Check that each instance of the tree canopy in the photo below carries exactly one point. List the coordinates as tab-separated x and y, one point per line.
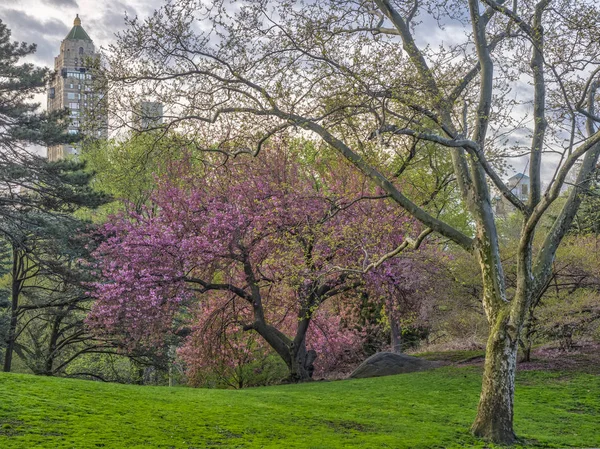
367	79
259	239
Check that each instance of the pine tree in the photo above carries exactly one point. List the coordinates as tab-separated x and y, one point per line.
37	197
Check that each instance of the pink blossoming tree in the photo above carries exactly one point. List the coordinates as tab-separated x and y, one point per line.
266	235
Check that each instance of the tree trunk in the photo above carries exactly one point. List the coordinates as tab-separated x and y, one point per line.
10	339
526	348
14	313
395	336
494	419
301	367
54	334
293	352
527	336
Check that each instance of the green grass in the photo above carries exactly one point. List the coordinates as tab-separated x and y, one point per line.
422	410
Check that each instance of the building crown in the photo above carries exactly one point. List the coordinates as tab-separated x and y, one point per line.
77	32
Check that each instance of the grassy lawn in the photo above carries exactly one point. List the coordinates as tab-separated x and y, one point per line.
422	410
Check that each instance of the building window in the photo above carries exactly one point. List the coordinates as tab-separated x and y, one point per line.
80	50
74	105
524	190
51	92
72	132
72	74
71	96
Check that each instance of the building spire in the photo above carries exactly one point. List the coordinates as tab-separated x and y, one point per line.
77	32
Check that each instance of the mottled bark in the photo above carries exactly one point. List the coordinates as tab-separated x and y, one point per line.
494	420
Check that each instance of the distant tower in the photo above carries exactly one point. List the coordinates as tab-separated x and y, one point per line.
571	178
72	87
147	114
519	185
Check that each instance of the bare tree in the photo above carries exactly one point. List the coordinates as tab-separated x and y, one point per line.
482	81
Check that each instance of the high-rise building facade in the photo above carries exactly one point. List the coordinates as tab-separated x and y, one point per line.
74	88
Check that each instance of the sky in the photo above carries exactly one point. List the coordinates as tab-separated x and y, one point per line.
47	22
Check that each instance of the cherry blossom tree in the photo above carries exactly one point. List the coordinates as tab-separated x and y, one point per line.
262	234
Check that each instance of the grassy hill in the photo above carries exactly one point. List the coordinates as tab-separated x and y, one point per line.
422	410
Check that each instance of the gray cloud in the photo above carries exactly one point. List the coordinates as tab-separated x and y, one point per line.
65	3
45	33
102	29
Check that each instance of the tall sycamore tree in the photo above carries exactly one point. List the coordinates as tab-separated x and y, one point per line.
481	80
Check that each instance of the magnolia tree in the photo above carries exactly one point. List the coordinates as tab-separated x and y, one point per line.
482	81
262	240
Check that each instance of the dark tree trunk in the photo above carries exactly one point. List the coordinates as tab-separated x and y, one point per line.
302	363
16	285
395	336
54	334
12	333
299	361
526	348
302	367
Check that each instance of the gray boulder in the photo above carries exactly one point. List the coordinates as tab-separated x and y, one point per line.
389	363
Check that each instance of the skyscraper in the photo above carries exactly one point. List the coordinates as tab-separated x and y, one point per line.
73	87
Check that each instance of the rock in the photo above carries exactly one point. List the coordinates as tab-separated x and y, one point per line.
389	363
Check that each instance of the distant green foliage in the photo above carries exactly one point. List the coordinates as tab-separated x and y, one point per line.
266	369
126	169
587	220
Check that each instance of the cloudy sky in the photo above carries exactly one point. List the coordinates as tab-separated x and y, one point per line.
47	22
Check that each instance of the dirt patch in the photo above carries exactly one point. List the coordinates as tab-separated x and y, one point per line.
11	428
345	426
584	357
